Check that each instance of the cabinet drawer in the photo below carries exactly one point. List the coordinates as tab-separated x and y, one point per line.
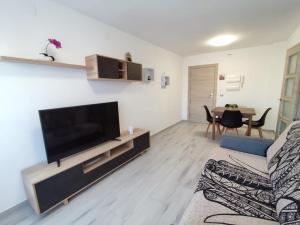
142	142
55	189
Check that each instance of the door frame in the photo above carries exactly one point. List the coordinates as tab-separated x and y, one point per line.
216	65
291	51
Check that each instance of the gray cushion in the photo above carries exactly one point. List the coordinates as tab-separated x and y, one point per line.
256	146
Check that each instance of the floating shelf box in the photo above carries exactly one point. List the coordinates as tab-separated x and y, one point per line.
100	67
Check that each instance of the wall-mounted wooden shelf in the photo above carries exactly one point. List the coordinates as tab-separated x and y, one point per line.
102	67
40	62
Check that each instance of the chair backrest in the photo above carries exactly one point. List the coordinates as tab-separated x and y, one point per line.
231	105
263	117
232	119
208	116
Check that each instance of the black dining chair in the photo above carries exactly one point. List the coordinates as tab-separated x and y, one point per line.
231	119
258	124
231	106
209	119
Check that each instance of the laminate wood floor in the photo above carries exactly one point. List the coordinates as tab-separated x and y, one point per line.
153	189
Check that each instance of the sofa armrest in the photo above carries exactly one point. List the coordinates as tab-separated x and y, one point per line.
256	146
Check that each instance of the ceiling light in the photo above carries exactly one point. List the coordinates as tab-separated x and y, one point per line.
222	40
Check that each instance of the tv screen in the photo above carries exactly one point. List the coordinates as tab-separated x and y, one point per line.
69	130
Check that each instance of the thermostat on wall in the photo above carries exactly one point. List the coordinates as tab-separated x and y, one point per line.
148	75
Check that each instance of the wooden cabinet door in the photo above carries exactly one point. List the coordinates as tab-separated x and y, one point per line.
108	68
134	71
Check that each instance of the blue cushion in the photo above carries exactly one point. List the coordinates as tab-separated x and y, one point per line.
256	146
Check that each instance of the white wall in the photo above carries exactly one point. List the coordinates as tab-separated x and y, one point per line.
263	70
294	38
24	88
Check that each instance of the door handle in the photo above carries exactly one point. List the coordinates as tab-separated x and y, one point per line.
211	95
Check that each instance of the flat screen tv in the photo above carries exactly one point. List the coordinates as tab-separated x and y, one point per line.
69	130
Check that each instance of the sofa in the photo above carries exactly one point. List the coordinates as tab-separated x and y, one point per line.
243	188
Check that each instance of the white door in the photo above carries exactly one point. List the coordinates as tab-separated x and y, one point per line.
202	90
289	100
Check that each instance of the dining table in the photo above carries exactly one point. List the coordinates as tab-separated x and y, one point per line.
246	113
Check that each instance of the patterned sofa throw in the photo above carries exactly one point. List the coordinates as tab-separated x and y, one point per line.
239	189
284	170
234	189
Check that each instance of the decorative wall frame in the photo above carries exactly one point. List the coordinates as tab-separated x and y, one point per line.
233	87
233	79
234	82
148	75
165	81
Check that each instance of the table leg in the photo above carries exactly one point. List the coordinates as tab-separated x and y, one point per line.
214	127
249	126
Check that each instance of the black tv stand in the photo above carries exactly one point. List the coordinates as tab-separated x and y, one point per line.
48	185
117	139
